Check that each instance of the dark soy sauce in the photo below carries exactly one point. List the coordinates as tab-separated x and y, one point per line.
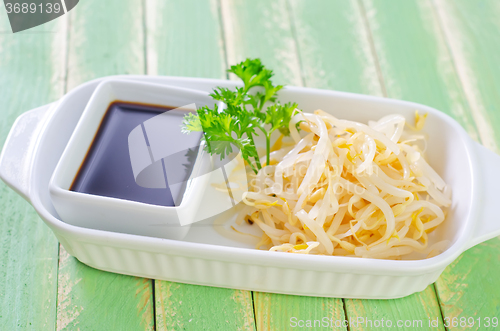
107	170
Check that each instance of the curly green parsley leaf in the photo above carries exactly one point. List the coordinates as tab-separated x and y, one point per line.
235	125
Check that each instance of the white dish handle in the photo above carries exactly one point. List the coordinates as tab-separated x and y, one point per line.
17	153
488	224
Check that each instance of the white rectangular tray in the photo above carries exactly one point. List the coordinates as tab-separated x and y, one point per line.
205	257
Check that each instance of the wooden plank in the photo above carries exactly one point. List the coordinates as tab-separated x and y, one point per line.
90	299
184	38
262	29
291	312
469	289
333	45
419	311
471	30
414	61
30	76
28	263
105	38
190	43
192	307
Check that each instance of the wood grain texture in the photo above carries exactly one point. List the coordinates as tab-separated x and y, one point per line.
263	29
414	61
414	312
90	299
333	45
193	307
470	286
28	266
30	76
472	34
105	38
291	312
184	38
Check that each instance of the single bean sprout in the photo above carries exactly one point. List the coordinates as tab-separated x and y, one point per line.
347	188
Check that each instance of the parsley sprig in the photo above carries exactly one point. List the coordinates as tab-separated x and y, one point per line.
250	110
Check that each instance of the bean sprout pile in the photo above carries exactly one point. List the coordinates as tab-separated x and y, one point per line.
349	189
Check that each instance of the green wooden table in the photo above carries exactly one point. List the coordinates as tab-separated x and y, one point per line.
442	53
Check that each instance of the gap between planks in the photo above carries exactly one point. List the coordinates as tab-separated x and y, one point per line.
373	50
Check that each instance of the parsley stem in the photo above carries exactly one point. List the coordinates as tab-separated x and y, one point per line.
251	165
257	160
268	148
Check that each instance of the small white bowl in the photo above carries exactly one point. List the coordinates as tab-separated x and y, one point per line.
121	215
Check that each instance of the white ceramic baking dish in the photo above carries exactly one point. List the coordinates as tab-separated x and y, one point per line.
206	257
